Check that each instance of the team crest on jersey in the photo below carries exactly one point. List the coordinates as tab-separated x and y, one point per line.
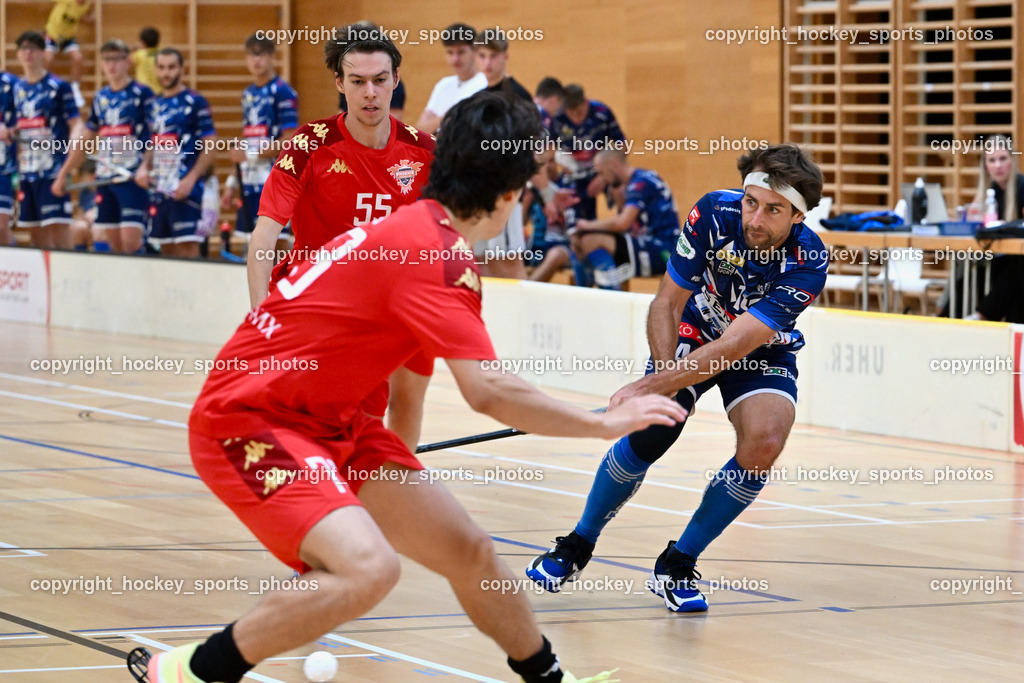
405	173
683	247
694	216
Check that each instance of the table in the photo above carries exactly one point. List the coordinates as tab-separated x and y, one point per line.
958	245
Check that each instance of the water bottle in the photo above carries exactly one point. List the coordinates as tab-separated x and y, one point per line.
918	202
991	207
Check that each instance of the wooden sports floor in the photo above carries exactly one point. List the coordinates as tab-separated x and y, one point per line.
818	580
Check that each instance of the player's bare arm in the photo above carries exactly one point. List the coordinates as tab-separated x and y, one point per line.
203	162
258	265
514	402
743	335
621	222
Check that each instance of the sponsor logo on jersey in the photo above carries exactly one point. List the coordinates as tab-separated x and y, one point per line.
778	372
694	216
413	132
731	257
683	247
300	141
256	131
340	167
725	268
405	173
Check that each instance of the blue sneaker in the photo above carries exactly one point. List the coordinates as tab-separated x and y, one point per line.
561	564
677	583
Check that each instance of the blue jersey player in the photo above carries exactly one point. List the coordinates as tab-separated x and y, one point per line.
743	269
639	240
583	128
8	160
46	113
182	130
118	122
270	113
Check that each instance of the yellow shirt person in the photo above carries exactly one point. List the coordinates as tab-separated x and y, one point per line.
144	60
65	18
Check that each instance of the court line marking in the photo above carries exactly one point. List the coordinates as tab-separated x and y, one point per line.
102	392
143	640
99	457
92	409
21	551
675	487
411	659
776	504
61	668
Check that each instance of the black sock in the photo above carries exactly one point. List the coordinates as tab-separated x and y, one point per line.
218	659
542	667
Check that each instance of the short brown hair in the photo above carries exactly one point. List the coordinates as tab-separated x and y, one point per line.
786	164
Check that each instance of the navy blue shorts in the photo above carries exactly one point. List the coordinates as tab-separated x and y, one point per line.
124	205
765	371
39	207
245	222
6	196
171	221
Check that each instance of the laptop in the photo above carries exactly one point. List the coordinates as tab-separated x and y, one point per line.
937	211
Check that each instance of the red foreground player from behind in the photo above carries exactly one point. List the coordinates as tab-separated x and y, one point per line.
326	487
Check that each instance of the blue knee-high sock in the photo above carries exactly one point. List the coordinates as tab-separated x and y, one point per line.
618	478
726	496
604	267
581	271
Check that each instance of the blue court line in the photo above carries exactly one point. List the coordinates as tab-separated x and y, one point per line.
836	609
99	457
645	570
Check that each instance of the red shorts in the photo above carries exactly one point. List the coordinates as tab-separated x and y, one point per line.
280	482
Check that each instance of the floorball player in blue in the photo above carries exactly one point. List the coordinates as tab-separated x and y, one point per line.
744	268
119	118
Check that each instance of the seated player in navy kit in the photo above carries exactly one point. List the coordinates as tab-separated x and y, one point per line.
636	242
744	268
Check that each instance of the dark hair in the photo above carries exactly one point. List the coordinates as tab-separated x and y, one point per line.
150	37
259	46
173	51
458	34
786	164
574	96
550	87
494	38
34	37
467	175
115	45
361	38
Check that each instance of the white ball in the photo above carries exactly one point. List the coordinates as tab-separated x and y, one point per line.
320	666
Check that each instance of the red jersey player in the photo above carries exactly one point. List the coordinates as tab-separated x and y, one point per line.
278	434
343	172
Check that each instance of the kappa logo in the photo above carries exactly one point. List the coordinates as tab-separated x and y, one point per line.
300	141
340	167
469	280
413	132
405	173
320	130
694	216
286	163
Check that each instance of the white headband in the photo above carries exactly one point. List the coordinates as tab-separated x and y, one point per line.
760	178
